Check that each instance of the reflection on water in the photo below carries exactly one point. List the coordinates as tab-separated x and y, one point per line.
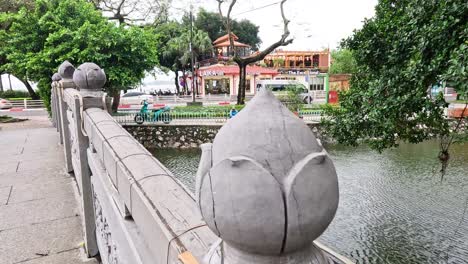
393	207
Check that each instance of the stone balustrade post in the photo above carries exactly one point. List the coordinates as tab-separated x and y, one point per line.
53	102
65	71
266	187
89	79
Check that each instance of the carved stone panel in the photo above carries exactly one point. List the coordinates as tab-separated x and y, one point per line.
74	147
107	247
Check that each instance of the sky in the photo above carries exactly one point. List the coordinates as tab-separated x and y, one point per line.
315	25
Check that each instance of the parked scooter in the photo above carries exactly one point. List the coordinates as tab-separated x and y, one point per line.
153	115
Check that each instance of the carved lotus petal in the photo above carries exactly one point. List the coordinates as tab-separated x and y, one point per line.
246	205
311	199
272	188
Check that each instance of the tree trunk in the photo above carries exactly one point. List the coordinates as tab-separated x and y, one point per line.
242	83
176	80
1	83
31	91
116	100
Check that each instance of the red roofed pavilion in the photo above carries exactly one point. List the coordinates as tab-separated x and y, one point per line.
219	75
222	46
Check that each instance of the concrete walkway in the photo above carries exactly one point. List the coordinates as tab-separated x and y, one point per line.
39	216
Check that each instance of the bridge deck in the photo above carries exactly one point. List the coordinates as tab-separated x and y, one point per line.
39	216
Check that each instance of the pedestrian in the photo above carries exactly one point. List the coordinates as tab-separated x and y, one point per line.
233	112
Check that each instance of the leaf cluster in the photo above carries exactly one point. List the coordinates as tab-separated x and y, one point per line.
343	62
211	23
174	40
406	48
38	41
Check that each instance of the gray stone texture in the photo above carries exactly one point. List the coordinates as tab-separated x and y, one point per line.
160	206
39	215
65	71
271	190
56	77
180	136
89	78
172	136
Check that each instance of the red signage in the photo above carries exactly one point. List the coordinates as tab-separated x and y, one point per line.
333	97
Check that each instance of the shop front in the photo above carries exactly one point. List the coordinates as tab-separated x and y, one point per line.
224	79
217	85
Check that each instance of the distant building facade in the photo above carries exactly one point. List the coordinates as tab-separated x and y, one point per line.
217	75
312	61
339	82
308	67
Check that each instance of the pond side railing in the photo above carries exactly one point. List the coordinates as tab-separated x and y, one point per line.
215	117
133	209
27	104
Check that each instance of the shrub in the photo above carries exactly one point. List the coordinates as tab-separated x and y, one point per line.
14	94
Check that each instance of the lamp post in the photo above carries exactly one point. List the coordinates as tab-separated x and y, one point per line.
191	54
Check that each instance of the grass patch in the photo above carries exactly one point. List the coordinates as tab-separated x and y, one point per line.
14	94
206	109
19	99
9	119
227	108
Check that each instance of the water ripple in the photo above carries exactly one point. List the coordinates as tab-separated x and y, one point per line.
393	208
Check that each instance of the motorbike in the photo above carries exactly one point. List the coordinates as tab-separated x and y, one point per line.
153	115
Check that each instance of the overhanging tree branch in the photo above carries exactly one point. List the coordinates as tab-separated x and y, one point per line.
244	61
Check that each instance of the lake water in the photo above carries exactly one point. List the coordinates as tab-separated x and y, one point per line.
393	208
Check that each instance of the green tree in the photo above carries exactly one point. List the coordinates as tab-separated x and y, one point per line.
169	54
211	23
179	48
247	33
407	47
342	62
6	7
56	30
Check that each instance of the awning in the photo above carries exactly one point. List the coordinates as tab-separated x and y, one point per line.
220	70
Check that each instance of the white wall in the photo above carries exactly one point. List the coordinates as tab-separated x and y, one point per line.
15	83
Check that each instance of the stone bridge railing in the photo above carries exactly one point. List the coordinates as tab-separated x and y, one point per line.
135	211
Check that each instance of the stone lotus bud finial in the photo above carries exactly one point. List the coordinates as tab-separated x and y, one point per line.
90	79
66	70
266	186
56	77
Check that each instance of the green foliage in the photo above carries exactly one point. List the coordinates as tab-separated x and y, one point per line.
174	40
13	94
278	62
168	55
407	47
294	101
206	109
39	41
342	62
211	23
179	47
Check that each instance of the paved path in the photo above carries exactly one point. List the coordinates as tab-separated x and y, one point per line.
39	216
